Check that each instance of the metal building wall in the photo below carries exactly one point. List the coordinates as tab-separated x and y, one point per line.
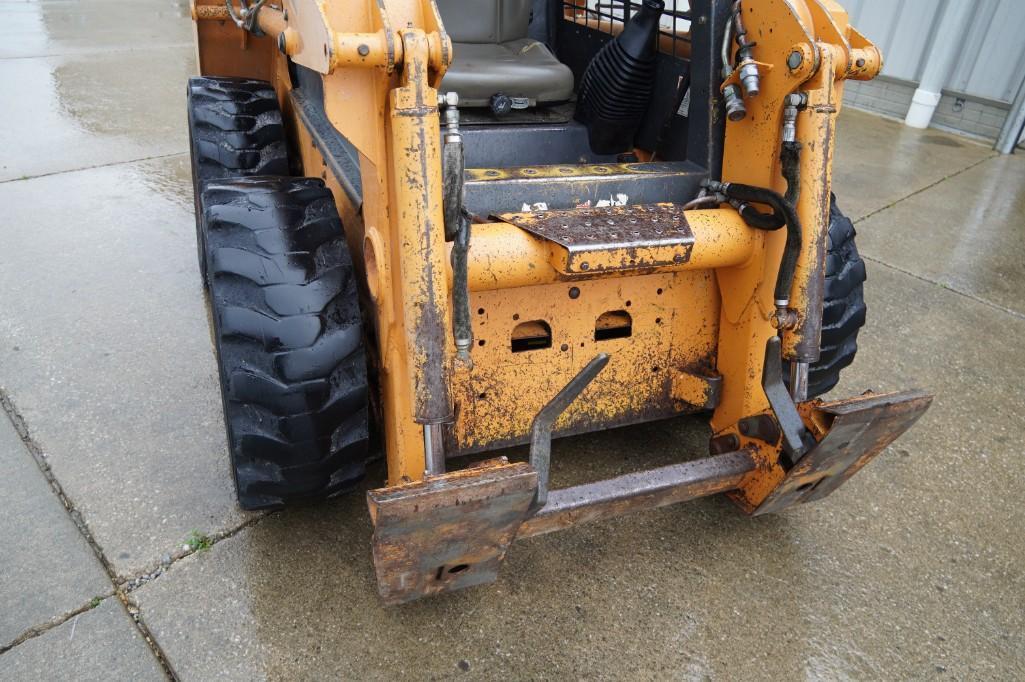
901	29
988	70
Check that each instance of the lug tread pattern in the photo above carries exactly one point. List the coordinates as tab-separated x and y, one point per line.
289	339
844	310
236	129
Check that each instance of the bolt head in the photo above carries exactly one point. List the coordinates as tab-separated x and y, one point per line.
501	104
363	50
795	59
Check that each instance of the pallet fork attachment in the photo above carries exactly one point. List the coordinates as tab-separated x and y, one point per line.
452	531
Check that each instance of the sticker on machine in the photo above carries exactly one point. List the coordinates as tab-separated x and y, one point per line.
613	200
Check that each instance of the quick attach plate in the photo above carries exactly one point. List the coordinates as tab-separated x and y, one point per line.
448	532
611	239
856	430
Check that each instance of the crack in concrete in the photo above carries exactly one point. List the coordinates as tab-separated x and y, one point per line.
970	296
893	203
87	168
93	52
922	278
136	581
131	609
56	621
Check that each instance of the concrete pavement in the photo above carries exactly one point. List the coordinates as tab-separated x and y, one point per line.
914	569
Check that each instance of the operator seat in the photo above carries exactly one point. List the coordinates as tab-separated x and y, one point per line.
494	55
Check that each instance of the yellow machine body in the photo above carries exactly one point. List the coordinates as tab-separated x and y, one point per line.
700	309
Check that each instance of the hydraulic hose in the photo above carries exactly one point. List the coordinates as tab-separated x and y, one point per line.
780	207
461	289
790	160
457	226
756	219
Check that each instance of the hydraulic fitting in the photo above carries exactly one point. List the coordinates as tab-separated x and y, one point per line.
735	108
749	78
793	103
747	67
784	317
450	101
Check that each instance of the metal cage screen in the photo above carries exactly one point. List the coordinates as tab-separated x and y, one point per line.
608	17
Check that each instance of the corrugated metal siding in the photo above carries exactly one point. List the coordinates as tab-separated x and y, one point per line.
992	54
901	29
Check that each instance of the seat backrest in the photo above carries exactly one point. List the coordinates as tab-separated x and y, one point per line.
485	21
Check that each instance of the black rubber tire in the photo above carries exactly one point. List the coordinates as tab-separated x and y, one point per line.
843	313
235	131
288	335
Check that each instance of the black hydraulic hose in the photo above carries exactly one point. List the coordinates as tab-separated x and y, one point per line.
790	160
740	34
461	287
780	206
457	227
453	165
756	219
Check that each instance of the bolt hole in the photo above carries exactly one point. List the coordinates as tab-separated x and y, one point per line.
658	320
658	291
480	311
655	370
482	396
628	304
458	568
516	316
481	342
806	486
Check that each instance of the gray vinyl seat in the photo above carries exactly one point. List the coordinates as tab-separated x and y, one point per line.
494	55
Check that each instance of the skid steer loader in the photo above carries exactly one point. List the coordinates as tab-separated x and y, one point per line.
472	224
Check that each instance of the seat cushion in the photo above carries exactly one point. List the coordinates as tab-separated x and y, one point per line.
518	68
485	21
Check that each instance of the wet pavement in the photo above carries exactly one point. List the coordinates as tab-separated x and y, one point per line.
916	568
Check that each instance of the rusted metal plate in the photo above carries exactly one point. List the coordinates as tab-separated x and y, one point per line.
616	238
642	490
858	430
499	395
448	532
702	389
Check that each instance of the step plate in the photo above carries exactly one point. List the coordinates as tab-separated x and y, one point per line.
612	239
